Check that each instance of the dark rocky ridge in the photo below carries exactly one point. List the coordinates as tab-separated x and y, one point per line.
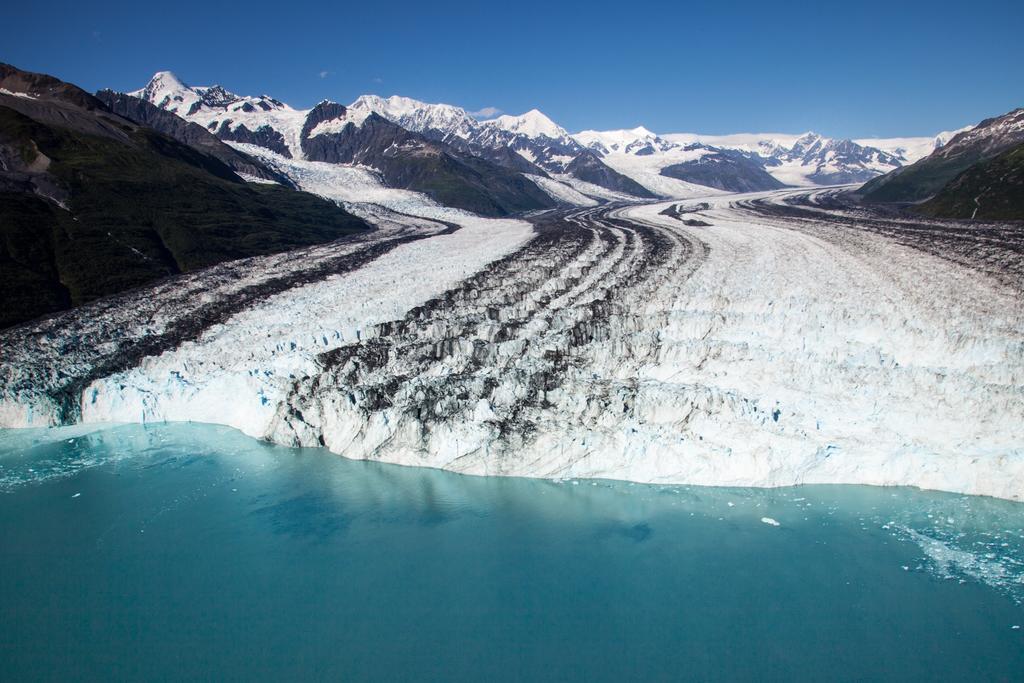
325	111
589	168
264	136
501	155
725	170
408	160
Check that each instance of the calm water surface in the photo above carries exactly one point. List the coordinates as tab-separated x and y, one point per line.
192	551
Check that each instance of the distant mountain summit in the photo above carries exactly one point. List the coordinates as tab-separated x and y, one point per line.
440	121
636	141
532	124
169	92
740	163
833	162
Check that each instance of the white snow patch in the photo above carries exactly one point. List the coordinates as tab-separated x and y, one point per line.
255	179
23	95
646	170
354	117
561	191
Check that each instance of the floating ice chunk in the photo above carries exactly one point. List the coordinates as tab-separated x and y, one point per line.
770	521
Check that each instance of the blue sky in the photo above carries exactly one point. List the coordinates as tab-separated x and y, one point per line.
852	69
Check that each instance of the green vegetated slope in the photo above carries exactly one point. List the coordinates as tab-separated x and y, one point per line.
919	180
100	205
926	177
990	190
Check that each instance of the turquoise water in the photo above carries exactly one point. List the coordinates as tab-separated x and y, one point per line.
191	551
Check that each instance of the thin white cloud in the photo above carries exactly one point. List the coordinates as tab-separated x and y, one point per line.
378	79
325	74
485	113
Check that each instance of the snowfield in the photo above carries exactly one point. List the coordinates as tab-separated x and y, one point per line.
561	191
646	170
750	340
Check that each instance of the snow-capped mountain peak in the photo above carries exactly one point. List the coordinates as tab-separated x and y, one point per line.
417	116
808	142
999	132
169	92
642	132
165	82
532	124
636	141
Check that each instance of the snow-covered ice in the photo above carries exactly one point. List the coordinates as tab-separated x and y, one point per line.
759	348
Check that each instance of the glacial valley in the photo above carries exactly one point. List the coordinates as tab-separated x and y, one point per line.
765	339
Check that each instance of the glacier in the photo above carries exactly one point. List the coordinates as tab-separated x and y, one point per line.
768	339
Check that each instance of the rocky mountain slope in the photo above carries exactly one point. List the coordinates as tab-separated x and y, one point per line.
92	203
334	133
927	176
191	134
530	143
992	189
407	160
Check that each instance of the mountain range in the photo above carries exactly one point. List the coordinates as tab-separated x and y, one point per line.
109	191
